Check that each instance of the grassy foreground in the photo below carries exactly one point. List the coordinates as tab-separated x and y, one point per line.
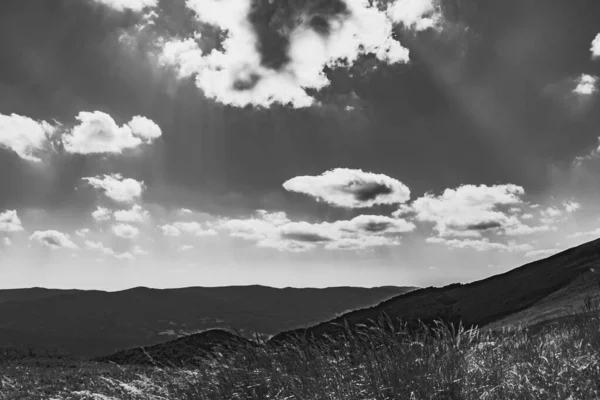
381	362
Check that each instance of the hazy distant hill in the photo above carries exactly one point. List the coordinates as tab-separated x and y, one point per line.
534	293
92	323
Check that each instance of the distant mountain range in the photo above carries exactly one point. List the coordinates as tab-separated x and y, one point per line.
95	323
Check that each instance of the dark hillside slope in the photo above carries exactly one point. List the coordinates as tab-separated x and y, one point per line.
94	323
477	303
179	352
565	302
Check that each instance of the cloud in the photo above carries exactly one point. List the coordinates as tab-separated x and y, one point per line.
592	154
53	240
184	54
186	247
350	188
137	250
170	230
586	85
135	214
275	230
101	214
276	52
521	229
480	244
192	228
82	232
25	136
550	215
99	246
595	49
419	15
133	5
145	128
10	222
469	210
571	206
125	231
117	188
362	242
542	253
98	133
594	232
125	256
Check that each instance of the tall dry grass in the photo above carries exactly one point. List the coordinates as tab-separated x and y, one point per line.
380	361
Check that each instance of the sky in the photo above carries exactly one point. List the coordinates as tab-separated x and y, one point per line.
310	143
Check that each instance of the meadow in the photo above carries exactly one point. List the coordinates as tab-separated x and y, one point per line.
380	361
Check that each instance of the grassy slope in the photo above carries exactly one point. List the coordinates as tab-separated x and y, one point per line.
562	303
559	363
481	302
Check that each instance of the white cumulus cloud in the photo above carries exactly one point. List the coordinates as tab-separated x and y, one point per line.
275	230
91	245
595	49
53	240
350	188
125	231
586	85
416	14
10	222
135	214
82	232
25	136
470	210
192	228
571	206
117	188
237	73
101	214
98	133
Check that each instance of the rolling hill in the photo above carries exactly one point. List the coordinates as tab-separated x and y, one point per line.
95	323
532	294
182	351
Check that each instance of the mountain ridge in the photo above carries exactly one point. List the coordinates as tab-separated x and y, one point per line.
93	323
448	302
